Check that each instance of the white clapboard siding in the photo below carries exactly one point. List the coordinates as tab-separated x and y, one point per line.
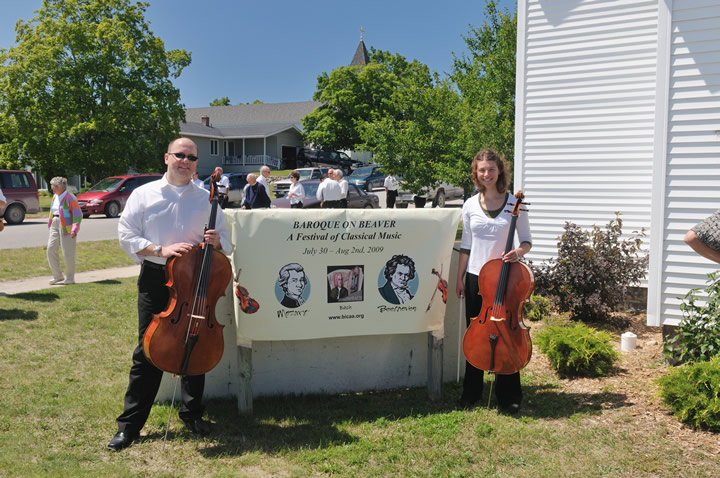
618	109
585	114
688	190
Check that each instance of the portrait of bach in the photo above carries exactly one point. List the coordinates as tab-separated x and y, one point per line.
292	280
399	271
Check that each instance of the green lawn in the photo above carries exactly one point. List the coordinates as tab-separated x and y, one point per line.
66	355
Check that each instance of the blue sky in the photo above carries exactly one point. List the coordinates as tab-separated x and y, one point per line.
273	51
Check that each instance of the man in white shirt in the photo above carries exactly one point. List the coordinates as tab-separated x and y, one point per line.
263	179
329	192
391	189
343	187
223	187
197	180
164	219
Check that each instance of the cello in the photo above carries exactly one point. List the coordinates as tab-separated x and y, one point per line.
497	340
186	339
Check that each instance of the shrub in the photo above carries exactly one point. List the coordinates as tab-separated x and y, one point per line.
692	391
537	308
577	350
593	270
698	335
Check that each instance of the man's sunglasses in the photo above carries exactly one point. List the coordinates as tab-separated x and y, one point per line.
190	157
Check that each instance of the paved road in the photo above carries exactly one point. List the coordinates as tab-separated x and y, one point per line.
34	232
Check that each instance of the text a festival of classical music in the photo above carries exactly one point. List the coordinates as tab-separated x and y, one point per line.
325	226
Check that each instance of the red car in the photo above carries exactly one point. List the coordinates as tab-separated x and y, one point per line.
109	195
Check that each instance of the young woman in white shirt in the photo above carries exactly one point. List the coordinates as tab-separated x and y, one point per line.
296	192
486	220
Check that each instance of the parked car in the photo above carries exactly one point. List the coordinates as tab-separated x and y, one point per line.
108	196
282	187
368	177
21	195
439	195
356	198
334	159
235	191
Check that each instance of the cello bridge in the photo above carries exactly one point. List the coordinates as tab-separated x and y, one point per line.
201	317
495	319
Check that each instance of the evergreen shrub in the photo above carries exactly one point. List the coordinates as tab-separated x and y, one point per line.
593	269
537	308
698	336
578	350
692	391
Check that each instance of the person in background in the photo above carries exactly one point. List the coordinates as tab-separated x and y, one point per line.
296	193
3	203
328	192
164	219
64	225
254	195
338	174
223	187
263	179
486	225
391	189
704	237
197	180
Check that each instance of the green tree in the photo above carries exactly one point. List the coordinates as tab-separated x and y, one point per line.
224	101
421	142
87	89
355	95
485	77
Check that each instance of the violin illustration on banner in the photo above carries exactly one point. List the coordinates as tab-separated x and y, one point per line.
247	303
442	286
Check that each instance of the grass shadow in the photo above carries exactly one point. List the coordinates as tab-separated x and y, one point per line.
299	422
107	282
35	296
17	314
548	401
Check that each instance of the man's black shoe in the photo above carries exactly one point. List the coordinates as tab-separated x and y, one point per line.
198	426
121	440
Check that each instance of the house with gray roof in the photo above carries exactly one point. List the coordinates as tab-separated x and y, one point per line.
243	138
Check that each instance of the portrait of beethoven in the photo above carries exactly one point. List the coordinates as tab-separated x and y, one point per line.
292	280
398	273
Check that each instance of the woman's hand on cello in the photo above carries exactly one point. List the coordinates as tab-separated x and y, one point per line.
512	256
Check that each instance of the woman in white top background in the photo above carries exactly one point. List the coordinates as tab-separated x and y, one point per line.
486	220
296	192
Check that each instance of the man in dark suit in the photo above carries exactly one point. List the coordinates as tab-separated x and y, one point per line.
339	291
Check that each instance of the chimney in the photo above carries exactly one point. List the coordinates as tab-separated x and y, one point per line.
205	120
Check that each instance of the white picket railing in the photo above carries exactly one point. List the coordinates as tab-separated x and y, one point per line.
252	159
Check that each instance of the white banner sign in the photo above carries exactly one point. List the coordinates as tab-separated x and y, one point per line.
306	274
